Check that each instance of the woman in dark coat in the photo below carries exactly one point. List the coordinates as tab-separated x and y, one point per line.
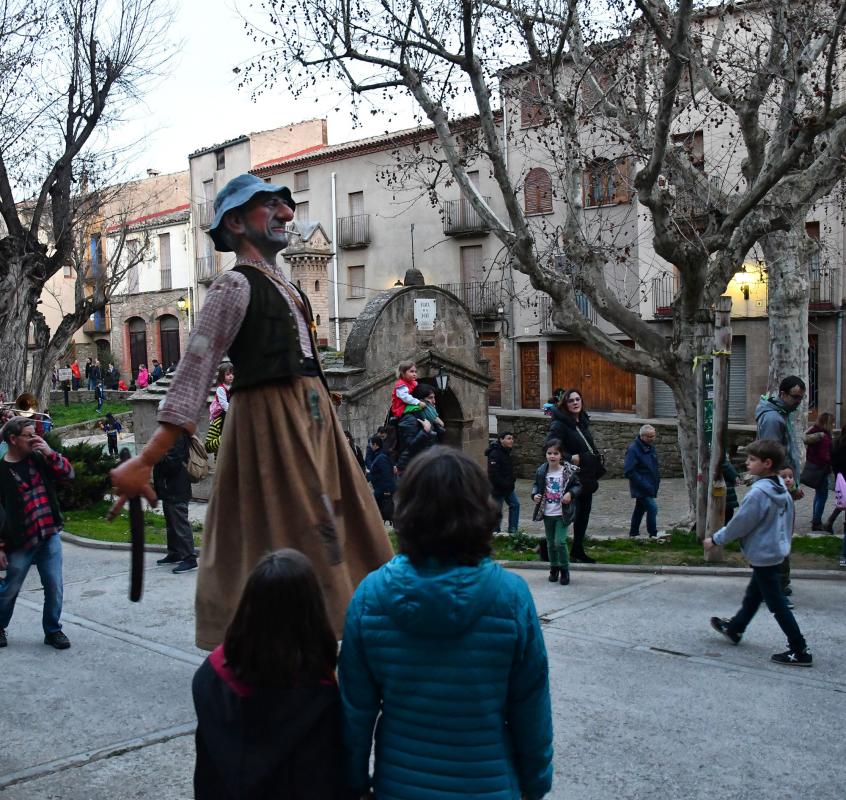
571	426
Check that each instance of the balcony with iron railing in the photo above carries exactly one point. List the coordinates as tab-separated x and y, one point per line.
482	299
461	219
207	268
98	322
545	311
205	213
749	292
354	231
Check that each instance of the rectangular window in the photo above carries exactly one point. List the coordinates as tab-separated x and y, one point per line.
301	214
694	143
472	270
356	200
67	271
220	159
533	109
133	260
164	260
355	281
301	180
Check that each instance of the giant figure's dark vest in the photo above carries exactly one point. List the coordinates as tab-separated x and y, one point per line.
267	347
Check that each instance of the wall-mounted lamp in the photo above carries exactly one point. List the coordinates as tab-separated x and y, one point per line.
182	305
398	284
500	310
442	379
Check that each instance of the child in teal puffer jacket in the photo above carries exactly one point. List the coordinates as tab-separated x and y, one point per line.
444	647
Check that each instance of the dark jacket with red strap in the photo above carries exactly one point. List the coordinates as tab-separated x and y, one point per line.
265	744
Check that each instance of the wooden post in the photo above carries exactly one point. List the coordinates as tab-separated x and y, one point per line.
717	485
702	344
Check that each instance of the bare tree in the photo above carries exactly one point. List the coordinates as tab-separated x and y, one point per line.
619	81
69	69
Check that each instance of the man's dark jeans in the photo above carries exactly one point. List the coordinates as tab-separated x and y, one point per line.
765	586
180	539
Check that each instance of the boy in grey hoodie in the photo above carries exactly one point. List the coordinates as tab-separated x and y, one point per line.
764	525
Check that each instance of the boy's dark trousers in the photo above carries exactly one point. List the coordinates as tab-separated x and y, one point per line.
766	586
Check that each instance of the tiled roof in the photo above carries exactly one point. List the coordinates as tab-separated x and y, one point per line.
369	144
168	216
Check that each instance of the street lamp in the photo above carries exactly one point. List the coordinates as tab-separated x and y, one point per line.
182	305
442	379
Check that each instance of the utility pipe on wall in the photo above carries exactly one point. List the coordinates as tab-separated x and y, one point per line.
838	368
335	263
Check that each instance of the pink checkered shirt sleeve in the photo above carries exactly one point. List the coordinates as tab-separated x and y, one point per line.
219	321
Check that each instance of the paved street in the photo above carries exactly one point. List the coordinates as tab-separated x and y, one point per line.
649	702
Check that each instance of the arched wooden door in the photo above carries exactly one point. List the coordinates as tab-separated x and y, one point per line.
169	338
137	344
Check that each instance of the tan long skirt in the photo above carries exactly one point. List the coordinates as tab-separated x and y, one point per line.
286	477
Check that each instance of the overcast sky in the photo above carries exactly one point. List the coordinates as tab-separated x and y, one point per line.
198	104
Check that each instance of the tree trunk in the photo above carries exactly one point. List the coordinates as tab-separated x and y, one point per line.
789	292
684	392
14	328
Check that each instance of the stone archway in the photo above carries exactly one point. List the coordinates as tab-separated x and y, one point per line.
433	327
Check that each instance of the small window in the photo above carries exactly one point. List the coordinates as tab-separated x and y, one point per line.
67	271
301	181
355	281
694	144
538	192
606	182
220	159
301	214
316	286
533	110
317	319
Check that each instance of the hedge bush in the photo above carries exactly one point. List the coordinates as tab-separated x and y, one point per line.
91	467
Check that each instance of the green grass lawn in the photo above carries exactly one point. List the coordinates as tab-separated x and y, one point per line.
82	412
92	524
680	549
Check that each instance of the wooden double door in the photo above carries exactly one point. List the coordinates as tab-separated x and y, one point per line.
604	387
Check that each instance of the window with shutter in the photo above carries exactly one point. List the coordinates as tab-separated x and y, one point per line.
302	213
355	281
606	182
533	110
164	260
694	144
301	181
537	192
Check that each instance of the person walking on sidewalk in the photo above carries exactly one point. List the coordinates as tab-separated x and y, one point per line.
818	465
774	420
641	468
501	476
554	492
173	488
33	521
764	526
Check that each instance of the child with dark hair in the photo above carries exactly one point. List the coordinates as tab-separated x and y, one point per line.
764	526
369	453
444	647
382	478
554	492
112	428
430	426
268	710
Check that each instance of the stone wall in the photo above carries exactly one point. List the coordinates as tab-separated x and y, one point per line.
92	426
612	434
57	398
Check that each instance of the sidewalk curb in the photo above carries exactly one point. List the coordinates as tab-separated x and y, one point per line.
716	572
661	569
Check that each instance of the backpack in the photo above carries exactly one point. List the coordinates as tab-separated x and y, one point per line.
840	491
198	460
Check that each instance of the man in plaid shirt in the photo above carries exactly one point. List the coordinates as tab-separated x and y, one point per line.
28	535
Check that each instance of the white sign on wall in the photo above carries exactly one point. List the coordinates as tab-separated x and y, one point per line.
424	314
